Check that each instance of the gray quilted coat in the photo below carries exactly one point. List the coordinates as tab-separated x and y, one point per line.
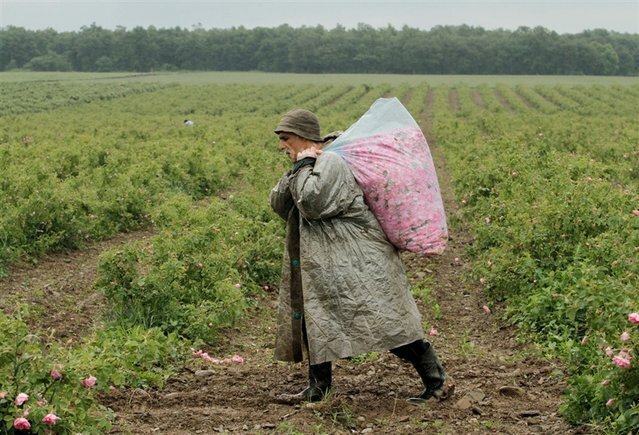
341	280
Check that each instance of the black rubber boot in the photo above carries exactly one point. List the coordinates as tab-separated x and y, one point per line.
319	384
421	354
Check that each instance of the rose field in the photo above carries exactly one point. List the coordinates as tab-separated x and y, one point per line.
140	260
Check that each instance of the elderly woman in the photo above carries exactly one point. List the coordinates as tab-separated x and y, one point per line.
344	290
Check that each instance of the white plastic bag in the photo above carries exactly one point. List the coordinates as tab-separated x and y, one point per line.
390	160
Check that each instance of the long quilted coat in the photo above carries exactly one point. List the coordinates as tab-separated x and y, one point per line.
341	280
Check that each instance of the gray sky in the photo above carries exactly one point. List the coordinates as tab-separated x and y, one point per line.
568	16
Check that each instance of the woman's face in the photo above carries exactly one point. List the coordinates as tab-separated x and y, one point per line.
292	144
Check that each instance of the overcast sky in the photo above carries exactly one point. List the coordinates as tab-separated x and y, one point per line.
568	16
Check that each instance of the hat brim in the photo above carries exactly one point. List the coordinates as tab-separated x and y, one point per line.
298	133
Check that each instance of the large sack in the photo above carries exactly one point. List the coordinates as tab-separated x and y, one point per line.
390	160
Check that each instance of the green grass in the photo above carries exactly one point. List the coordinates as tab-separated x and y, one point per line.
200	78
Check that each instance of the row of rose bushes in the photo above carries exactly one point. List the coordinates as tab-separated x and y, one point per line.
552	202
218	246
51	387
38	96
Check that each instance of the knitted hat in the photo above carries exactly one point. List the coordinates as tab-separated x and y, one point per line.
302	123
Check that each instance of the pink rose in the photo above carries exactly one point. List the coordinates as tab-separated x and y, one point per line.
633	317
621	361
609	352
605	382
3	394
237	359
487	220
610	402
625	336
89	382
21	424
238	285
51	419
486	309
22	397
635	212
41	402
624	354
56	375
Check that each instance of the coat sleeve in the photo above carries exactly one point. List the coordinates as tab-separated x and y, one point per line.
324	190
281	198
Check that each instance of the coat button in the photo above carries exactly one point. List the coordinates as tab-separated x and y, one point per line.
295	263
297	316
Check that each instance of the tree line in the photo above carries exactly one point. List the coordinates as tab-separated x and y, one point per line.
364	49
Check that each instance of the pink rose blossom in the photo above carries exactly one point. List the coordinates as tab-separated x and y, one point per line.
605	382
238	285
22	397
433	332
486	309
609	352
21	424
69	341
624	354
487	220
621	361
51	419
89	382
610	402
3	394
625	336
635	212
56	375
633	317
206	357
41	402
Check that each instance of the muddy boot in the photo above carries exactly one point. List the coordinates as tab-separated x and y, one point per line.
422	356
319	383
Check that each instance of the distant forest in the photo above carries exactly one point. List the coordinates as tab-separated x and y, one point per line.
364	49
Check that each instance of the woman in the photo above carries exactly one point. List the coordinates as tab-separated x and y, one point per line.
344	290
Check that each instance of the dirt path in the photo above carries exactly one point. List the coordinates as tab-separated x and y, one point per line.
500	387
59	288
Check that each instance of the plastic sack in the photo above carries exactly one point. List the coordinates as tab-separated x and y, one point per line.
390	160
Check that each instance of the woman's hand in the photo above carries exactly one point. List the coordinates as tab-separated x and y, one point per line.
309	152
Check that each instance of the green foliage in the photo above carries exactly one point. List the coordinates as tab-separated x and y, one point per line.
549	197
205	266
27	367
52	374
440	50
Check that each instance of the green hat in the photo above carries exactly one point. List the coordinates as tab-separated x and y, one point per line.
302	123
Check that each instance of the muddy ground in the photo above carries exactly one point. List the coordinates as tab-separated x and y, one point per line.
500	385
